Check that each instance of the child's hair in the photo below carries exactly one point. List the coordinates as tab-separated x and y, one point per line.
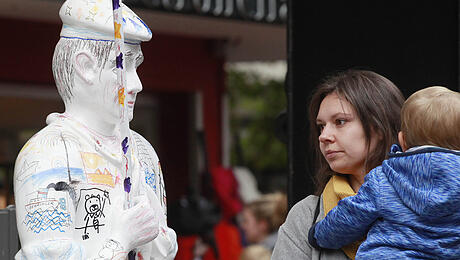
431	116
255	252
271	208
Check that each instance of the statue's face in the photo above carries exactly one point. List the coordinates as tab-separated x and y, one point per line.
109	106
134	59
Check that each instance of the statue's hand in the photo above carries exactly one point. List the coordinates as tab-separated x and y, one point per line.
155	204
135	226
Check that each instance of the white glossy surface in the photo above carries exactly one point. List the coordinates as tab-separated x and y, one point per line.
68	178
94	20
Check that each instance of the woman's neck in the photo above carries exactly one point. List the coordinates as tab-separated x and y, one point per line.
356	181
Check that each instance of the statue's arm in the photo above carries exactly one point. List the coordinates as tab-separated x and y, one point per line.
165	245
45	210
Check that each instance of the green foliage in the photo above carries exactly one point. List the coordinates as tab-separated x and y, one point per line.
255	103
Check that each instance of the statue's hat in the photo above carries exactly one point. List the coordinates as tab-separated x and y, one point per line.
93	19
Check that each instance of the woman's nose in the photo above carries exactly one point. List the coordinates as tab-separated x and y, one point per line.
327	135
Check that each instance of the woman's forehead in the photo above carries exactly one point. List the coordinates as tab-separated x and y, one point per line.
334	104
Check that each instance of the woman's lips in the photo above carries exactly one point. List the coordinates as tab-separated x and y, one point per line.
330	154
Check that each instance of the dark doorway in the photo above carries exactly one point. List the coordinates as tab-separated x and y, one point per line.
413	43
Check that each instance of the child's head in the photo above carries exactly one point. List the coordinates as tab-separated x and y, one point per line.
431	116
263	216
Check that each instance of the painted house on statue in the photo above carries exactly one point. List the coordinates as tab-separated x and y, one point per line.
183	74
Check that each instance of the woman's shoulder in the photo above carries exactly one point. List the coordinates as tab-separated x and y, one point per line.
292	240
301	215
305	207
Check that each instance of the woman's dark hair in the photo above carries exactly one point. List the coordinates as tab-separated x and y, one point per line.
377	102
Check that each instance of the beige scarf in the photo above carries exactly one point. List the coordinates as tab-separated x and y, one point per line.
336	189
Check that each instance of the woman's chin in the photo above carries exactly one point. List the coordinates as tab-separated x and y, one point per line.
339	168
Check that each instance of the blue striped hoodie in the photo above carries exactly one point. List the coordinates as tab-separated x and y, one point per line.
409	207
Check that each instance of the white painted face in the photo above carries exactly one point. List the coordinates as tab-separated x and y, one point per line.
134	59
107	82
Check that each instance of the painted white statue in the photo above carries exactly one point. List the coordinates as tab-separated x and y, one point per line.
68	179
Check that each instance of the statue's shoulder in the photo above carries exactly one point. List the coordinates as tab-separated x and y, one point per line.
142	145
136	135
50	152
53	136
139	138
49	144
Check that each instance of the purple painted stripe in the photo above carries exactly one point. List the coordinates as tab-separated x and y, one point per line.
120	62
124	145
116	4
127	184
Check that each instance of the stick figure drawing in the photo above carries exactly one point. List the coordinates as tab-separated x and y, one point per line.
94	203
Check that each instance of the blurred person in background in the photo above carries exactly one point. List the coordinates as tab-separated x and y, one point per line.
261	218
255	252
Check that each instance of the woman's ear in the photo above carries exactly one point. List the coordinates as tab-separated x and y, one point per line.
85	67
402	141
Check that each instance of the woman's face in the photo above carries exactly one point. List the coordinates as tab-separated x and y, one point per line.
254	230
342	139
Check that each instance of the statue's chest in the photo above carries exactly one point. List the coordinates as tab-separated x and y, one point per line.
95	207
98	197
100	171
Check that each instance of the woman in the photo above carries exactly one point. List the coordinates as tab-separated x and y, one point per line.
262	218
354	118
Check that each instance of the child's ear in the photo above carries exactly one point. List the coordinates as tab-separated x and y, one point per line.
85	67
402	141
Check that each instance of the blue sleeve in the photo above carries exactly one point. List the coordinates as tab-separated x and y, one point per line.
351	218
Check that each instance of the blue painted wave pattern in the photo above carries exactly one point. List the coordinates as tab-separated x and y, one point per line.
150	179
39	221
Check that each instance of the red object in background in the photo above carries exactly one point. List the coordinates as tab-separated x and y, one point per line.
226	188
228	242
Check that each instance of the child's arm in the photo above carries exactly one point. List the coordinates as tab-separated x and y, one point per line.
350	219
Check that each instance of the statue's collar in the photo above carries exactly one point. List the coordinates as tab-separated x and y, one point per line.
108	146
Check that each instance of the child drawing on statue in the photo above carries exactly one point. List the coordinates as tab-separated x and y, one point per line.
70	172
410	205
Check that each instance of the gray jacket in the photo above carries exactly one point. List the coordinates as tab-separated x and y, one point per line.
292	240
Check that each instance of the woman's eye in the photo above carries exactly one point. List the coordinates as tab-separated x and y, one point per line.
320	128
340	121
